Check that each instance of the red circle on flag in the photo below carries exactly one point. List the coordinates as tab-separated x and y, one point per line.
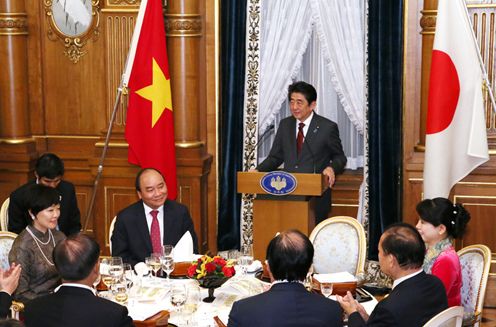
444	91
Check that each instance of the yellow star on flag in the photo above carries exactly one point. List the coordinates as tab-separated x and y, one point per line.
159	93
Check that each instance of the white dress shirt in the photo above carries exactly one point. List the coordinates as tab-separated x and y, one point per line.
160	217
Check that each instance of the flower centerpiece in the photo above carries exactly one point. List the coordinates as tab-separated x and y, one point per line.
211	272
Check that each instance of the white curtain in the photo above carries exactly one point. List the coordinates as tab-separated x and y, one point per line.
286	27
339	82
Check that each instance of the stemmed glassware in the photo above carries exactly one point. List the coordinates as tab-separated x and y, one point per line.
178	296
246	258
167	266
116	269
104	272
192	301
153	262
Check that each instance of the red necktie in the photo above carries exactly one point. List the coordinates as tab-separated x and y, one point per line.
300	138
155	233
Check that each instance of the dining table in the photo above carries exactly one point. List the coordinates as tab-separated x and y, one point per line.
150	295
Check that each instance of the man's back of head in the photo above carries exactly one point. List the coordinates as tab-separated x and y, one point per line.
405	244
290	256
76	257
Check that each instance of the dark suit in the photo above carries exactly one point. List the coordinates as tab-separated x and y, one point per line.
75	307
69	220
322	148
131	237
5	302
411	303
286	304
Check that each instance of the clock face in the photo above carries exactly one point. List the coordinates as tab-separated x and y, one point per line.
72	17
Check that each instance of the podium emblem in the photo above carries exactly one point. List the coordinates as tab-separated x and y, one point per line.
278	183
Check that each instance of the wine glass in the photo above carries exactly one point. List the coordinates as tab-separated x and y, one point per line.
167	266
104	272
246	258
178	296
167	250
326	289
192	301
129	275
154	263
116	269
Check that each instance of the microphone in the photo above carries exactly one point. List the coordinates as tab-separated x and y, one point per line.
260	139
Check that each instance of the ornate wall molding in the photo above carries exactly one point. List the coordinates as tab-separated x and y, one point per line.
183	25
252	84
73	38
124	2
13	24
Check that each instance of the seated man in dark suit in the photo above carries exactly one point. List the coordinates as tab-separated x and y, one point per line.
287	303
9	279
416	297
143	227
75	303
49	171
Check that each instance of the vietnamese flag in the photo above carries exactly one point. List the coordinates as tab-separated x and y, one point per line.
456	138
149	122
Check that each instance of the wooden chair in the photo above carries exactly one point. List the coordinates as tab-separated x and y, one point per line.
339	244
159	319
4	215
475	261
451	317
6	240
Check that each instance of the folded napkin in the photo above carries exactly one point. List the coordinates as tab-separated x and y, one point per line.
183	251
141	269
340	277
255	266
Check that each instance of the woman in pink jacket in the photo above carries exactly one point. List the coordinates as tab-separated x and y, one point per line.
440	222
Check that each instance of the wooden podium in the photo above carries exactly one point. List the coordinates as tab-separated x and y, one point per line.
273	213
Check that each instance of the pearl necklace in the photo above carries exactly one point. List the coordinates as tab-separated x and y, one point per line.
38	242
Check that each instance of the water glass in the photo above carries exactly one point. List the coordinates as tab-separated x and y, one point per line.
120	291
178	296
192	302
246	258
116	269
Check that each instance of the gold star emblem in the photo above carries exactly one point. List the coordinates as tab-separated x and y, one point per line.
158	93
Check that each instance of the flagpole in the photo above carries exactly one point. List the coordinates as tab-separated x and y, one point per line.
123	84
481	63
89	210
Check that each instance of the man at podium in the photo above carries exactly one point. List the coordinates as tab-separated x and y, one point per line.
307	143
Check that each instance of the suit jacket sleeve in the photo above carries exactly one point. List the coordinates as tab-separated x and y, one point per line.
18	216
380	317
5	302
233	321
338	158
73	214
121	241
276	154
126	320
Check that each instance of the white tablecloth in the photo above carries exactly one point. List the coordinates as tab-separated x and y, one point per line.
154	296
